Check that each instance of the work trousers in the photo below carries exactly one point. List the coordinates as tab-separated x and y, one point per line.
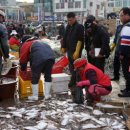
45	67
71	68
116	65
125	67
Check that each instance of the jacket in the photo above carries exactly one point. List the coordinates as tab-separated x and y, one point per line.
4	48
98	39
36	52
73	34
14	41
101	78
124	44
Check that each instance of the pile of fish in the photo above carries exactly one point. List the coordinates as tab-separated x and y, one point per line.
6	80
58	114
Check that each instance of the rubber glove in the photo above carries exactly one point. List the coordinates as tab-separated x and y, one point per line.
83	83
112	46
76	53
63	50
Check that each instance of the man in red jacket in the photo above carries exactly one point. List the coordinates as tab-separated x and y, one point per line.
97	83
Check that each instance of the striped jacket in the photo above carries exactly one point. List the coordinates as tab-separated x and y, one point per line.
124	47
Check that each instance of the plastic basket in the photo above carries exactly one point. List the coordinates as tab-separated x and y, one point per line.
25	88
26	75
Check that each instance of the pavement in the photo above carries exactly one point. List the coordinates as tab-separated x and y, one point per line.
117	86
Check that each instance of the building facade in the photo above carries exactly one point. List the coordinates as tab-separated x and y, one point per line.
116	5
7	2
43	9
82	8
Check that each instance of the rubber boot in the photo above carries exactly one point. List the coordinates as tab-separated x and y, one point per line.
47	89
34	92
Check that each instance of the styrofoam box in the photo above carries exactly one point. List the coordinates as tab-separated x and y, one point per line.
60	82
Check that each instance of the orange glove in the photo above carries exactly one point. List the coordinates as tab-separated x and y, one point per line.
63	50
76	53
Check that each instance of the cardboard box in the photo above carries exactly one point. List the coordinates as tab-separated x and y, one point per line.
60	82
25	88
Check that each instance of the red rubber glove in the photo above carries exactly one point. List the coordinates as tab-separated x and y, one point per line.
83	83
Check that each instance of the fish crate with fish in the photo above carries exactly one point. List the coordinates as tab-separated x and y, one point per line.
60	82
12	72
8	86
25	88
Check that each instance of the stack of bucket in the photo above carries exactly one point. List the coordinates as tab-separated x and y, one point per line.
25	88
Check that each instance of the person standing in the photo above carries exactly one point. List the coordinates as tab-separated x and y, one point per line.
41	58
124	49
96	38
115	44
4	48
14	41
73	43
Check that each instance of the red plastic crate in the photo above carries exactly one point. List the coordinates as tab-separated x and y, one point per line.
26	75
59	66
57	69
63	61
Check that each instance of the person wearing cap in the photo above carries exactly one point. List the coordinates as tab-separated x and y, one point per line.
40	32
96	42
97	83
14	41
73	43
41	58
4	48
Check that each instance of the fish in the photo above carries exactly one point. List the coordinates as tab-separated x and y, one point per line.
41	125
16	114
65	120
97	112
11	108
90	126
30	128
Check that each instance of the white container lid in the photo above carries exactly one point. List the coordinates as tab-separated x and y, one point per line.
60	77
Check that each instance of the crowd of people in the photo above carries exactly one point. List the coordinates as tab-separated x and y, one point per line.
85	73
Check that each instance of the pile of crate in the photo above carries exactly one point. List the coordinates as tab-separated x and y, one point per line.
25	88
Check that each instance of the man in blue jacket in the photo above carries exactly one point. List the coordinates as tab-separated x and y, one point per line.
4	48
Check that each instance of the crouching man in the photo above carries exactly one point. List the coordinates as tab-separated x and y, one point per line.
97	84
41	58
